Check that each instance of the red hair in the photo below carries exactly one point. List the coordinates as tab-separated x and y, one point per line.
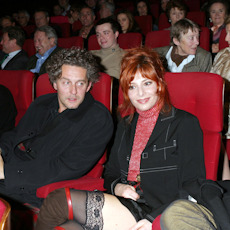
147	62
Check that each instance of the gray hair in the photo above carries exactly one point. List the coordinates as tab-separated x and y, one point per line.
49	31
109	6
24	12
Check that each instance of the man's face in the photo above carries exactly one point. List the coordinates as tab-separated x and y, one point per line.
7	44
63	3
188	43
105	36
42	43
86	17
41	19
91	3
22	19
6	22
71	87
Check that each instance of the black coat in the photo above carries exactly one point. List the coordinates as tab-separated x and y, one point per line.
18	62
65	147
172	156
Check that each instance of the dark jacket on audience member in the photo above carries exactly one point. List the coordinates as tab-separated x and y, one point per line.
18	62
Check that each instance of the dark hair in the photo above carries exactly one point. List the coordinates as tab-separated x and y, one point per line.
43	11
148	63
7	17
147	4
182	27
17	33
176	4
114	24
74	57
133	26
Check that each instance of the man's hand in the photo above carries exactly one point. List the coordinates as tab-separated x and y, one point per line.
142	225
2	176
126	191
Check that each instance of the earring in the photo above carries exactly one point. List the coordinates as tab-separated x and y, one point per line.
210	19
170	20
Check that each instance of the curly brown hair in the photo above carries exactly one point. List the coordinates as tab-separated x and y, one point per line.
74	57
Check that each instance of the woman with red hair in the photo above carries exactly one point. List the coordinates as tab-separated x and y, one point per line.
156	149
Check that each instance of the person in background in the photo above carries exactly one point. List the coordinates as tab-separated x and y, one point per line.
93	5
163	6
23	18
142	8
45	42
74	15
65	5
221	66
175	11
8	110
155	151
13	56
127	21
87	18
107	9
57	10
218	11
41	18
184	53
7	21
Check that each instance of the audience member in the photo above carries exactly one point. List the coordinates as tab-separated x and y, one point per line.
163	6
221	66
142	8
155	152
61	136
127	22
74	18
57	10
7	21
185	55
87	18
8	110
45	42
65	5
107	9
23	18
13	56
15	16
92	4
176	10
110	54
218	11
42	18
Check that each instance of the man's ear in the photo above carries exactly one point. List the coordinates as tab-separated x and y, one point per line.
116	34
52	41
89	86
175	41
55	85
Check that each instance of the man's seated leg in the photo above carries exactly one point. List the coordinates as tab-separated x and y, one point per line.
184	214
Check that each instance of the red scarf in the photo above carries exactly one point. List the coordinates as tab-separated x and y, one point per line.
145	125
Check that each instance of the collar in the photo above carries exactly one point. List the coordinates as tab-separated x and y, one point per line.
14	53
47	53
111	50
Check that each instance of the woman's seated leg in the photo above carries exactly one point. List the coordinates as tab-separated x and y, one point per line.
184	214
89	209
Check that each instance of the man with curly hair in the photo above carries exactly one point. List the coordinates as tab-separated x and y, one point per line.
61	136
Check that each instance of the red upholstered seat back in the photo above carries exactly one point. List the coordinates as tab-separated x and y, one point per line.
145	23
20	83
29	47
200	94
69	42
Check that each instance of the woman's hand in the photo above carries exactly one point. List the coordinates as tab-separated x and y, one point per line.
142	225
126	191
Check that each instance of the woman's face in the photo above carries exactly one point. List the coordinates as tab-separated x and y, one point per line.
175	15
142	9
163	4
217	13
188	43
123	21
143	92
227	38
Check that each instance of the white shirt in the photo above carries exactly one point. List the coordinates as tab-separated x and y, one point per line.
11	55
